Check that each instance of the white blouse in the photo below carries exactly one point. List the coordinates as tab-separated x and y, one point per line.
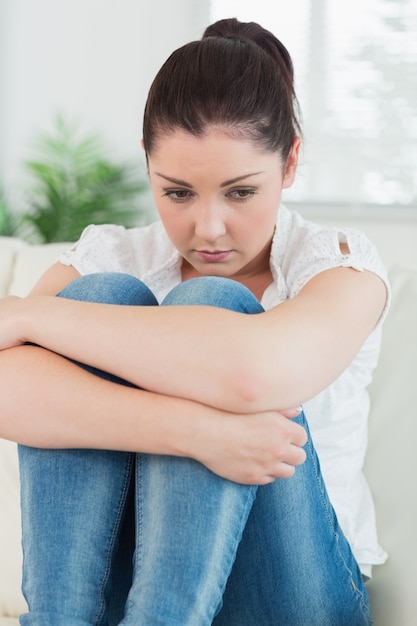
337	416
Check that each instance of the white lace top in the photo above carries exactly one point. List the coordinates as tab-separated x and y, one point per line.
338	415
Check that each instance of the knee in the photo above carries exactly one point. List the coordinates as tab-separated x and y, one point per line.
109	288
214	291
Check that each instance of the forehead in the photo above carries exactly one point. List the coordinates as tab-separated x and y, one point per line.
216	145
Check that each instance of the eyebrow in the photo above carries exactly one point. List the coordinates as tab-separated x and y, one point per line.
226	183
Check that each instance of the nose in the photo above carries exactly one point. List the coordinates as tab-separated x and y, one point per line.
209	223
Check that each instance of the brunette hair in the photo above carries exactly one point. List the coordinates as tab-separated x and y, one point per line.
238	77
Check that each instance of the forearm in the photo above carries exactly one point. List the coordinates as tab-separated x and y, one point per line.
162	349
49	402
228	360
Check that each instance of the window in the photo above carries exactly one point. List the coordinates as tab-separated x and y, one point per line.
356	80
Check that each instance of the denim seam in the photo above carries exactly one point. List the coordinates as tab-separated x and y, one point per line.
251	495
329	515
113	537
138	524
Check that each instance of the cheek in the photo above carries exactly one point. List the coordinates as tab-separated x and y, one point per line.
261	230
253	233
176	225
263	222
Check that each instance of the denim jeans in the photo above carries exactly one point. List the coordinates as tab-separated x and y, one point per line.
137	539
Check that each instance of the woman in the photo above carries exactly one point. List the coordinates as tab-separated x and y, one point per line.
261	311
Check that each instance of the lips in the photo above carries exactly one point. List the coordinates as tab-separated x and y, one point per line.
213	257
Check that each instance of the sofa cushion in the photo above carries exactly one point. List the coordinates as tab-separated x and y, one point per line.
390	465
8	251
30	263
11	599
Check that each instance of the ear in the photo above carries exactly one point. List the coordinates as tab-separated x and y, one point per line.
142	143
291	164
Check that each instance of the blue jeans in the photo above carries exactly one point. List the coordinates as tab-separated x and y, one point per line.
119	538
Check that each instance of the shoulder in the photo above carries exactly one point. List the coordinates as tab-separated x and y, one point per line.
111	247
308	248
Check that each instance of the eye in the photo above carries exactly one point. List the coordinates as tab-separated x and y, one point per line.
178	195
241	194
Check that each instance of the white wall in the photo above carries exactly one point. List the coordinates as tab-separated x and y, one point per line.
93	60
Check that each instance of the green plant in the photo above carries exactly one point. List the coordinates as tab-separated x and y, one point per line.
73	184
8	220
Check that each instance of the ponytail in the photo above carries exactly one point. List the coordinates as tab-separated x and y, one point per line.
239	76
252	31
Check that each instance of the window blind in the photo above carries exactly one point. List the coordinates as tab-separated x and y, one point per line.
356	80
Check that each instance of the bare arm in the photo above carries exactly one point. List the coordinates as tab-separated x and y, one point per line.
253	449
54	280
221	358
49	402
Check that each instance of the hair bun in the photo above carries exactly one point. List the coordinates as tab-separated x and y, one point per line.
228	28
237	77
232	28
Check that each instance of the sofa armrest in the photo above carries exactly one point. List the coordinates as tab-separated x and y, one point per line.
390	463
9	248
30	263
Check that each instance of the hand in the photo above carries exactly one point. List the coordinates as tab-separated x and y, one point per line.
9	333
252	449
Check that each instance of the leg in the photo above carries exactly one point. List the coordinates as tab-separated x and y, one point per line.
73	507
294	566
189	521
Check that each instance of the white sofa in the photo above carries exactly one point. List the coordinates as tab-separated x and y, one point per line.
391	462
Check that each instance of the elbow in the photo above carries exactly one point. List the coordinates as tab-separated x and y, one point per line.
262	379
256	389
251	389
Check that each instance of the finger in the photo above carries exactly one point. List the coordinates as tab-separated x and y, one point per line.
300	436
287	469
282	471
295	456
290	413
